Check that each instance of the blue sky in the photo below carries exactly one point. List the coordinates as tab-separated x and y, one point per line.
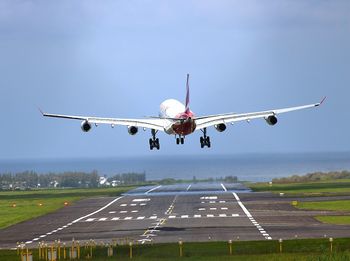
123	58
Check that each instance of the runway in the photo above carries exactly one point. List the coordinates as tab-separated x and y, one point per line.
187	212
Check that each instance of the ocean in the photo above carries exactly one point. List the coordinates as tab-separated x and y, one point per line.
247	167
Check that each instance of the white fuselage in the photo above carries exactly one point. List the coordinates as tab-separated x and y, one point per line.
171	108
180	121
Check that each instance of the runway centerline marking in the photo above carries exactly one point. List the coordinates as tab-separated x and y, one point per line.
223	187
251	218
152	189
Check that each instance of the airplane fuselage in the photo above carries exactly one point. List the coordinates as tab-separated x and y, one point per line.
173	109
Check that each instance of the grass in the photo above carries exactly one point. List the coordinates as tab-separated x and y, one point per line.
337	220
27	202
336	205
320	188
301	249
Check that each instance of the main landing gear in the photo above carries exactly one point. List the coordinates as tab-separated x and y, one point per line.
154	142
180	140
205	140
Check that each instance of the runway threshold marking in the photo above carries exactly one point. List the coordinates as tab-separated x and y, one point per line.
251	218
152	189
75	221
223	187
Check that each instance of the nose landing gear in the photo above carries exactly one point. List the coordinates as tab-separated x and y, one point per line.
180	140
154	142
205	140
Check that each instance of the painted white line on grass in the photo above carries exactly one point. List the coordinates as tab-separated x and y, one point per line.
153	189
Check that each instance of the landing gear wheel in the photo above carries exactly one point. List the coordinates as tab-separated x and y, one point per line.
177	141
182	140
205	140
154	142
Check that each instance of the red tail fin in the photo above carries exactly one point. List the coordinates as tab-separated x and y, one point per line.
187	94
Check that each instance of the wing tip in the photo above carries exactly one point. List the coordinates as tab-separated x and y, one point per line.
322	101
41	111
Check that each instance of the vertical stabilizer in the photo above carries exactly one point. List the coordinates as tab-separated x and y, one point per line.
187	94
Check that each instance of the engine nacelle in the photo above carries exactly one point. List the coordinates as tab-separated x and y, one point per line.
132	130
85	126
220	127
271	120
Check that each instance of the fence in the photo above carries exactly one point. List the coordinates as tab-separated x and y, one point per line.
128	248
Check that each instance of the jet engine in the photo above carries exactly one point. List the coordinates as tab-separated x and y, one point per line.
132	130
220	127
271	120
85	126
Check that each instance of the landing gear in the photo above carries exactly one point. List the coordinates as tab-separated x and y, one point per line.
205	140
180	140
154	142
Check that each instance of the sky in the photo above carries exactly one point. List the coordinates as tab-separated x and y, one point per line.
123	58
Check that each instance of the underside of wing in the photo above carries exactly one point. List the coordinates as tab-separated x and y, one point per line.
156	124
269	116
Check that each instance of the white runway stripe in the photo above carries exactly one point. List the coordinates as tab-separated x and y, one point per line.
224	188
153	189
140	218
188	188
115	218
245	210
90	219
102	219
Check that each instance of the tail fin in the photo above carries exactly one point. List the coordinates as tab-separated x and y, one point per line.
187	94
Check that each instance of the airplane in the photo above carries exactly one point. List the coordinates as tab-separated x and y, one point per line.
177	119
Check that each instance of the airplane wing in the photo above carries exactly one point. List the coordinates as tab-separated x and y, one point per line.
157	124
212	120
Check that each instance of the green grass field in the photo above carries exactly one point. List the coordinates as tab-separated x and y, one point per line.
326	188
301	249
27	202
336	205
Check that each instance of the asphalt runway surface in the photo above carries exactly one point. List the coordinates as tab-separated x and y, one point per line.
187	212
